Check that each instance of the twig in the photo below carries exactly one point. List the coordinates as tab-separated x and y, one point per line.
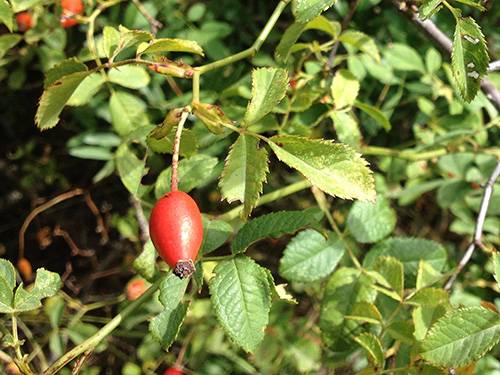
175	154
60	198
494	66
445	43
79	363
101	225
154	24
141	219
478	231
345	22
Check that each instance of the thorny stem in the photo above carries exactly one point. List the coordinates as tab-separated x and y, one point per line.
478	231
175	154
95	339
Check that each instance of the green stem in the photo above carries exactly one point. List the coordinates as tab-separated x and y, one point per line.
196	86
95	339
249	51
268	198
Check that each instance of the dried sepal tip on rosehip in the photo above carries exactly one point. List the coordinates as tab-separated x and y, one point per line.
70	8
176	230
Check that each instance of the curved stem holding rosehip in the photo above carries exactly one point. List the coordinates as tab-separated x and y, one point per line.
175	153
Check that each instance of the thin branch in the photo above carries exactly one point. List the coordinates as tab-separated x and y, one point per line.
60	198
345	22
141	219
445	43
175	154
154	24
478	231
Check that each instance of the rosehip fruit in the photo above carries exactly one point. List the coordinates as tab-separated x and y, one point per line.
135	288
24	21
70	8
176	230
172	371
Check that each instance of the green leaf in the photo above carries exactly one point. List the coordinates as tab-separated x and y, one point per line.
46	285
409	251
429	7
403	57
426	275
371	222
6	15
455	165
306	10
402	330
130	38
215	233
375	114
347	128
145	263
86	90
392	271
54	99
7	42
64	68
461	336
20	5
163	142
344	88
496	264
372	346
274	225
345	288
433	60
132	77
469	57
127	112
473	3
241	297
8	273
166	325
310	256
268	88
170	45
322	23
365	312
424	316
334	168
91	152
429	297
192	173
6	296
244	173
131	169
110	40
362	42
288	39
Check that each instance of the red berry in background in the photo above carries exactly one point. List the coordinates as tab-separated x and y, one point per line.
172	371
136	288
70	8
24	21
176	230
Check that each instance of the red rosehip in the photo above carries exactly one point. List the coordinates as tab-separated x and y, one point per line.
24	21
135	288
172	371
176	230
70	8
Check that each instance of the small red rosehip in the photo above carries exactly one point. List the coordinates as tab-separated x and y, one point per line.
172	371
176	230
70	8
24	21
135	288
